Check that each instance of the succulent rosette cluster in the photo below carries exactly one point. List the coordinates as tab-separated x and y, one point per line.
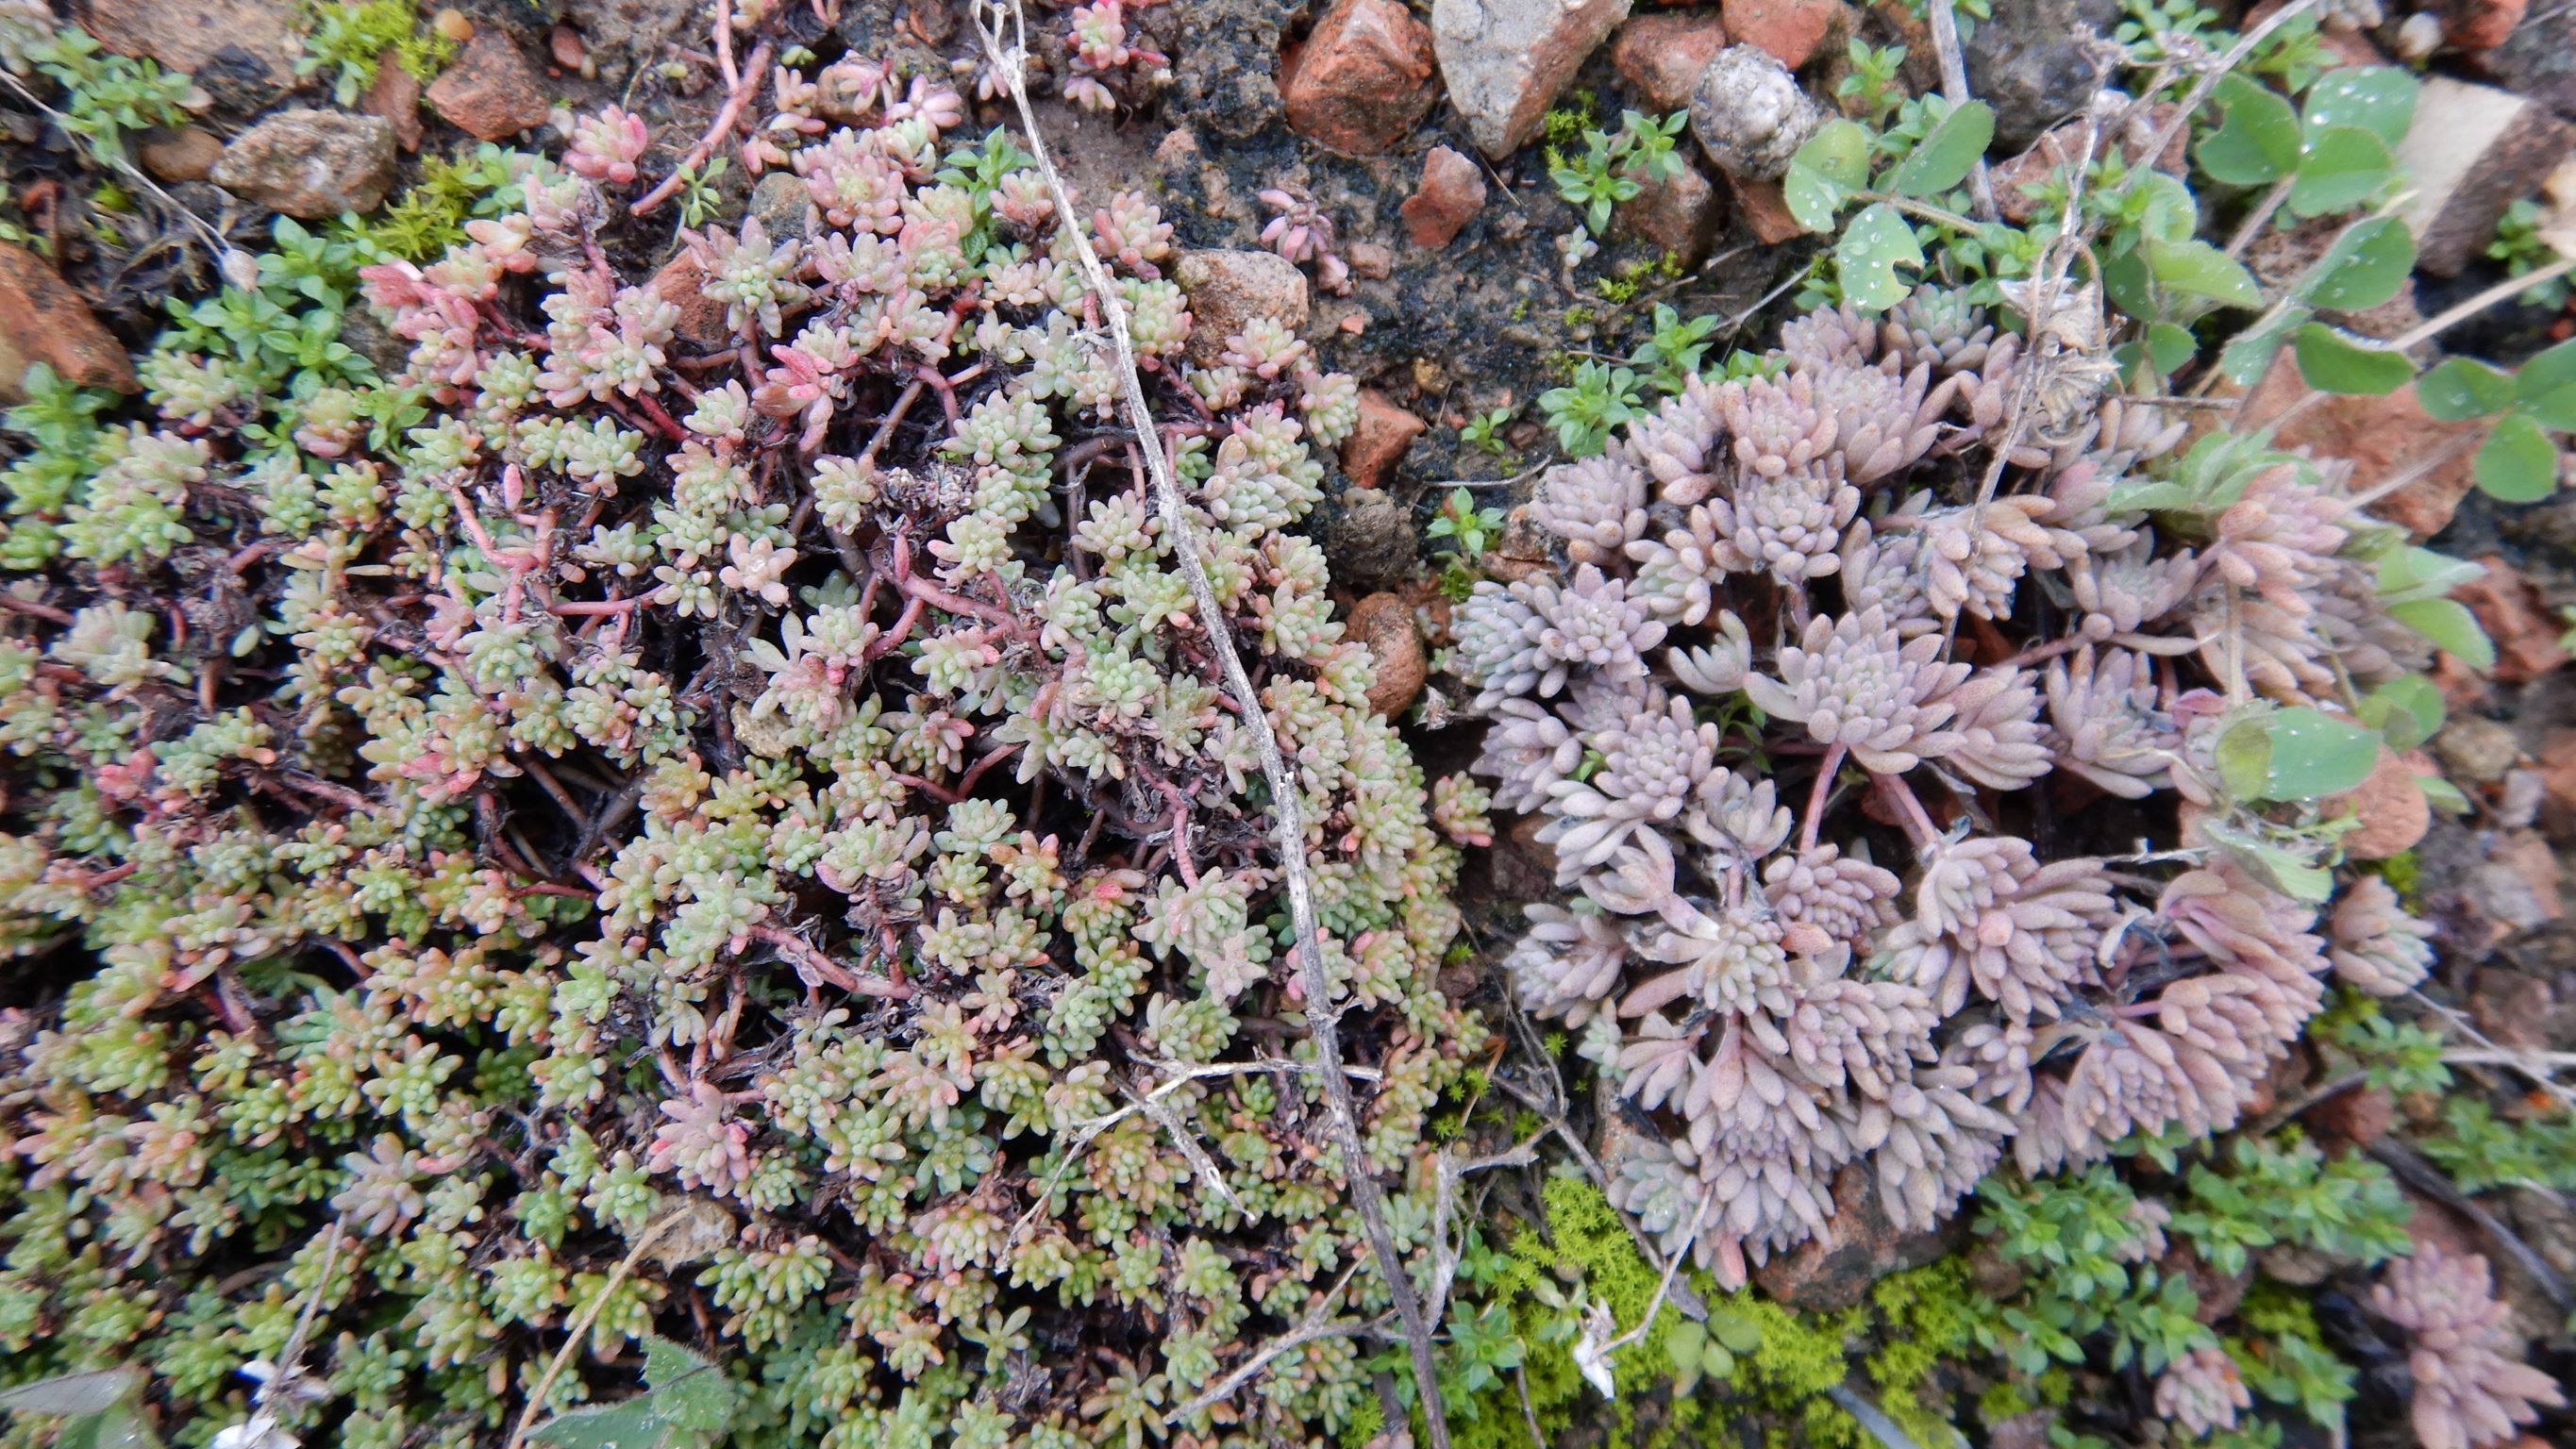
1820	692
740	837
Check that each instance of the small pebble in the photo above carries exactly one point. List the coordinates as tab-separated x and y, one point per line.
452	23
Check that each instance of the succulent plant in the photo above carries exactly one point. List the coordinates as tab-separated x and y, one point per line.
749	846
1797	744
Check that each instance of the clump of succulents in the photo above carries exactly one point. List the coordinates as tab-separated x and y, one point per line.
739	841
1831	719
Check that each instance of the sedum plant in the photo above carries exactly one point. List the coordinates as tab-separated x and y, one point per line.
1833	654
740	849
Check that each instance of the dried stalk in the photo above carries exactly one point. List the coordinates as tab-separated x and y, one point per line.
991	18
1954	85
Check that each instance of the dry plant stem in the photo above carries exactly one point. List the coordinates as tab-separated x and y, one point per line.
1318	1324
1664	1286
1954	84
2444	320
2252	226
990	18
2048	280
2424	1177
2523	1062
589	1314
2208	82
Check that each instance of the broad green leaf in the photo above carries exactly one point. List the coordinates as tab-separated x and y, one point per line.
1833	163
2331	361
2249	352
2197	269
2379	99
2442	795
1946	154
2544	389
1838	152
1877	242
2365	266
688	1405
2244	756
1813	201
2406	711
2459	388
2517	464
2342	167
117	1426
2127	286
2315	754
2169	346
2288	873
2451	627
2258	141
2166	209
2146	496
80	1393
2411	573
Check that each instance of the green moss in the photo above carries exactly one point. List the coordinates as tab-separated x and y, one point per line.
1929	1316
2404	873
1566	124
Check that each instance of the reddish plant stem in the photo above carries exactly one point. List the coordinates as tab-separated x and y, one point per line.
813	965
739	96
1918	823
1817	793
663	422
46	612
580	609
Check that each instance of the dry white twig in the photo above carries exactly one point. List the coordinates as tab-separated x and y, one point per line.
994	19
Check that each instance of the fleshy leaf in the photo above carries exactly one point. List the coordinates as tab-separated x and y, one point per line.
1947	153
2518	464
2342	167
2315	754
2332	361
2365	266
1877	242
2257	143
2458	388
2197	269
2379	99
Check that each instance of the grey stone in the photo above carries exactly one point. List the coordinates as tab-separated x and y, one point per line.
784	205
311	164
1750	114
1504	61
2033	62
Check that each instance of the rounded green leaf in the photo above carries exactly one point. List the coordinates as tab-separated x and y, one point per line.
2249	352
2258	140
2197	269
2342	167
2365	266
2451	627
1877	242
2518	463
1833	163
2331	361
2459	388
1947	153
2409	710
2244	758
2379	99
2169	346
2545	388
2315	754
